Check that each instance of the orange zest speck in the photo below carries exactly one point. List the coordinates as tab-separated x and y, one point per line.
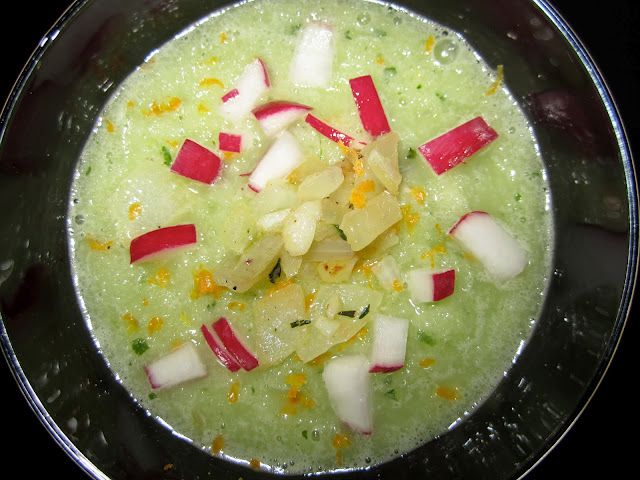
497	82
419	194
280	286
210	82
161	278
366	186
339	442
296	380
427	362
254	463
202	108
234	392
156	108
145	302
410	219
168	466
358	198
449	393
358	168
223	37
379	60
135	209
155	325
173	143
217	445
431	253
130	104
203	284
110	127
236	305
397	286
428	45
132	323
98	245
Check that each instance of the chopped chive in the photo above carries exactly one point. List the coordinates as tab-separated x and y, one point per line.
299	323
347	35
441	96
87	171
392	395
304	434
275	273
340	232
364	311
139	346
411	153
152	396
167	156
348	313
425	338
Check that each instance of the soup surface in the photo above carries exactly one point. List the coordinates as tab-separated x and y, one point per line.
324	299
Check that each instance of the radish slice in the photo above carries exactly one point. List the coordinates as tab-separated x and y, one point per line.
430	286
151	245
179	365
331	133
234	345
347	382
489	242
250	86
454	147
389	343
372	115
219	350
197	163
275	116
230	142
283	156
312	61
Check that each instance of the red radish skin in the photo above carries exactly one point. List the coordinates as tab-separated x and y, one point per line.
219	351
454	147
197	163
229	95
275	116
370	109
331	133
230	142
150	245
431	286
234	345
389	346
180	365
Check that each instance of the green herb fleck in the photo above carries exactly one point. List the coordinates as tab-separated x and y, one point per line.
340	232
411	153
425	338
392	395
211	305
167	156
518	197
347	35
348	313
299	323
419	86
87	171
379	33
275	273
139	346
390	71
152	396
441	96
365	311
292	29
304	434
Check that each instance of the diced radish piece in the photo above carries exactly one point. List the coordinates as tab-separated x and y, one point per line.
249	87
230	142
151	245
491	244
331	133
234	345
347	382
389	343
282	157
312	61
275	116
196	162
430	286
454	147
218	349
179	365
372	115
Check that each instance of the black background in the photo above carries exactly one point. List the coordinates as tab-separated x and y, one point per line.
599	444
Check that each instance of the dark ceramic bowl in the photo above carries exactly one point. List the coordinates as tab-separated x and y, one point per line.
48	348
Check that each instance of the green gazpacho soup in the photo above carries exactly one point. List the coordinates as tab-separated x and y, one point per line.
263	242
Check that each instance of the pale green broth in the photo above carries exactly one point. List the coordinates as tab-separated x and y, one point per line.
473	336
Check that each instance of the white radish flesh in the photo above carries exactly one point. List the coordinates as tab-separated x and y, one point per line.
179	365
389	343
312	62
